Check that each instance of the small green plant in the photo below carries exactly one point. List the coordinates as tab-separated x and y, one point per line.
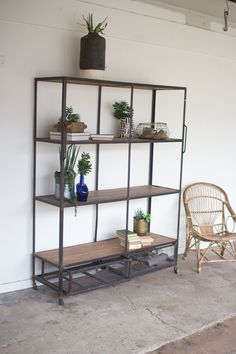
99	28
70	116
84	164
140	215
122	110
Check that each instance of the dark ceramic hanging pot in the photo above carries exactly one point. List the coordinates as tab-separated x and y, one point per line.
92	52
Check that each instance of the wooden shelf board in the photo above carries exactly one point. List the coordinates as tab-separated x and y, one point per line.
113	141
112	195
89	252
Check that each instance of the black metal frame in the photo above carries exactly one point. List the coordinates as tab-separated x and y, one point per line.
63	274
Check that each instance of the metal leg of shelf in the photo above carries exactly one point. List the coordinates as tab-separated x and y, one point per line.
176	258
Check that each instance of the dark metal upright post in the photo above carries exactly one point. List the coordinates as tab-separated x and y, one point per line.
128	178
151	151
61	212
183	147
34	179
97	156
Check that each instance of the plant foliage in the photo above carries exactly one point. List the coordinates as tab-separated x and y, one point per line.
84	164
70	116
70	159
99	28
140	215
122	110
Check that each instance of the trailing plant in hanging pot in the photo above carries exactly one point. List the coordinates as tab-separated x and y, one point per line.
141	221
93	49
84	168
69	174
124	112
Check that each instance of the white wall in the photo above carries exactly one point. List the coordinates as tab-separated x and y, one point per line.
144	44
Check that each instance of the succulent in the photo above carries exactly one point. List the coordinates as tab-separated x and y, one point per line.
99	28
70	116
84	164
122	110
140	215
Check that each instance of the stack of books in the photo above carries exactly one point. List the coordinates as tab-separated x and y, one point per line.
146	240
133	240
70	136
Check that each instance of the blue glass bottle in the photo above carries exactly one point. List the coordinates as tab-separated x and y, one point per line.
81	190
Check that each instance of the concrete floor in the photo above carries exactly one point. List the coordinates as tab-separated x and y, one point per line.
133	317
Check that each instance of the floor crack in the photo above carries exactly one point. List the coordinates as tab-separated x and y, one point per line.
163	321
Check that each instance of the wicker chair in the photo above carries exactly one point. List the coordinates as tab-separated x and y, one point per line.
207	215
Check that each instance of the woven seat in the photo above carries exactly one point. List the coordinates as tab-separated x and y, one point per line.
208	212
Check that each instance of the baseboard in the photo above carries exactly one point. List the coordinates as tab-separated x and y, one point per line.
16	285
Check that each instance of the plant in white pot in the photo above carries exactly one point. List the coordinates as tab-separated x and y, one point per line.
141	221
124	112
69	174
93	49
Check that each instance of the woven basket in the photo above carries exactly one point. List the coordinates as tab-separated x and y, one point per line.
71	127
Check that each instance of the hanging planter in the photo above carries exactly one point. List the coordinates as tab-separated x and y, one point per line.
93	49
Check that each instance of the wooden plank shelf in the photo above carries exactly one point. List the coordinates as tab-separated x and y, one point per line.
112	195
89	252
113	141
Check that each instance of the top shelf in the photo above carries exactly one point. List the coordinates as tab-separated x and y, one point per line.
106	83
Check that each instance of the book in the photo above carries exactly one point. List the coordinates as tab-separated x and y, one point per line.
132	247
102	136
123	232
129	238
70	136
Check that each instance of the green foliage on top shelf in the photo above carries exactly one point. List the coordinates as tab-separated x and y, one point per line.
70	116
122	110
140	215
99	28
84	164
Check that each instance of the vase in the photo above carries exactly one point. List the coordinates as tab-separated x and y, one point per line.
126	127
69	186
82	190
92	55
140	226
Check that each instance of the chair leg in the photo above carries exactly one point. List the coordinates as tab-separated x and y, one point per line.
222	251
187	244
198	256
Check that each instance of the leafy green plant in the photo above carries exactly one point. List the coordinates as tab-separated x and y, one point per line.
122	110
84	164
99	28
70	116
140	215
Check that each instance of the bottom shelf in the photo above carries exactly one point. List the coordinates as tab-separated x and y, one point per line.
107	272
78	280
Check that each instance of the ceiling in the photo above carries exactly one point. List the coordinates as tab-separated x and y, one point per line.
214	8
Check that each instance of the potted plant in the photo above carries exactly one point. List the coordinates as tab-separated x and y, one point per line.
72	122
141	220
69	174
93	48
84	167
123	112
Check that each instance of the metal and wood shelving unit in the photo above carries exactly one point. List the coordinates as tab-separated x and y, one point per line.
88	266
